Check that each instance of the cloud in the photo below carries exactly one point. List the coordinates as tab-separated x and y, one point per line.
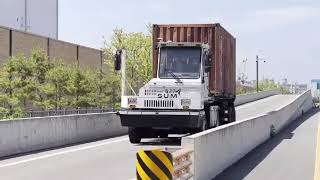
278	17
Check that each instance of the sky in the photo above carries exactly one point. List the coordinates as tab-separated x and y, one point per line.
285	33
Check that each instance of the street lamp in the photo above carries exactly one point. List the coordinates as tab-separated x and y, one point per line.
257	62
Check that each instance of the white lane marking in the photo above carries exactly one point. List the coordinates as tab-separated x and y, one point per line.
63	152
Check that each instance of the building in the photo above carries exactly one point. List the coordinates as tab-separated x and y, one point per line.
315	88
34	16
29	24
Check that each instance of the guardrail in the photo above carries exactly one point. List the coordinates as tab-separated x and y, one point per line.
58	112
37	133
233	141
246	98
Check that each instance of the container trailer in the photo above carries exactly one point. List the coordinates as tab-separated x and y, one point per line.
193	86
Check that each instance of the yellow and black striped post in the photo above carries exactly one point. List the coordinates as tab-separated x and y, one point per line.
154	164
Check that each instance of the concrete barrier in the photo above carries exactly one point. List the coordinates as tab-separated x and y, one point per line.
246	98
30	134
217	149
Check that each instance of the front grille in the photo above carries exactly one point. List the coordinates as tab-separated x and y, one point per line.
158	103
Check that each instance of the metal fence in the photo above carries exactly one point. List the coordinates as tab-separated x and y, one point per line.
60	112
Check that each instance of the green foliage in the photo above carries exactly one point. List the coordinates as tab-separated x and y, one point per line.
284	90
80	87
268	85
263	86
40	83
42	65
244	90
107	88
56	86
138	49
16	84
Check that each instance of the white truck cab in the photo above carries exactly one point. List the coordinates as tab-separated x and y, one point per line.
176	100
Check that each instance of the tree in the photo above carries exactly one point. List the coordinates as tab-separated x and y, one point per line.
6	85
17	85
42	66
80	86
138	48
56	87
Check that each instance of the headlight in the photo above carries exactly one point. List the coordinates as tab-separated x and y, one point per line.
185	102
132	101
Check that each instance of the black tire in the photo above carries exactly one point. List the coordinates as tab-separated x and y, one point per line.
232	114
207	115
134	135
222	116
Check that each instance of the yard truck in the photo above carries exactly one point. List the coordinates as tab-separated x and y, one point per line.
193	85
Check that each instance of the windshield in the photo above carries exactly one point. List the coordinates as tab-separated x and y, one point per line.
180	62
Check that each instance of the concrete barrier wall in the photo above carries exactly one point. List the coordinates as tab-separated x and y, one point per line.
30	134
246	98
217	149
25	135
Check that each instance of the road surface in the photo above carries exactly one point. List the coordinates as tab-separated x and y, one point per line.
107	159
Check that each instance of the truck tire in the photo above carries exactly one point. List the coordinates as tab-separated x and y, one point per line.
222	116
232	114
134	135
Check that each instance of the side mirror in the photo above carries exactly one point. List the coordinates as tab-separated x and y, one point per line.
118	58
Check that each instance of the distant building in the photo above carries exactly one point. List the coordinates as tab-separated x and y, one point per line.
315	88
29	24
34	16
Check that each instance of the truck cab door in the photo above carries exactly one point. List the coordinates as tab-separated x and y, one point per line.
205	71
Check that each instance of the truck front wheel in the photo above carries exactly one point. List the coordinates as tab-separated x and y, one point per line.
134	135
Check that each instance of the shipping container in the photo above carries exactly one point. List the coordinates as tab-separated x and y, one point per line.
222	80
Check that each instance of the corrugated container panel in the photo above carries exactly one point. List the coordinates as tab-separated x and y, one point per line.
222	76
4	45
23	43
66	51
89	58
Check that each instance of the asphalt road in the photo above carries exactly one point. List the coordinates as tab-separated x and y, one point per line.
288	156
107	159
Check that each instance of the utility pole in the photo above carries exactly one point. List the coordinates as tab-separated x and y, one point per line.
257	63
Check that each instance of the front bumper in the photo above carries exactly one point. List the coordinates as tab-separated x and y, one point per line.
161	119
